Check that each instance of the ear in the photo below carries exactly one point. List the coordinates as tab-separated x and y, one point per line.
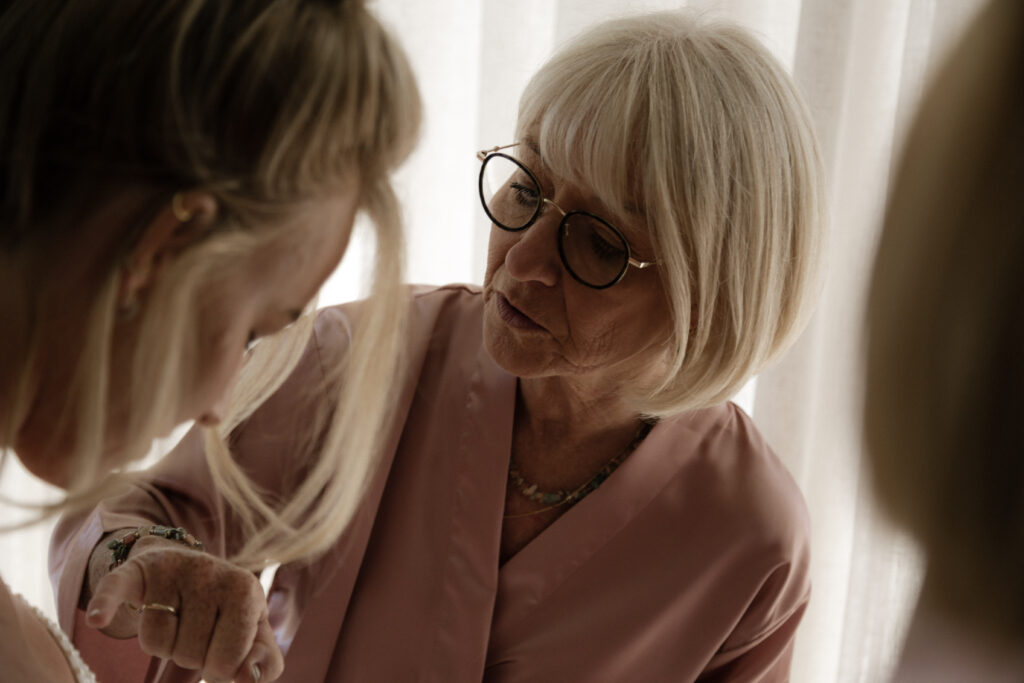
183	221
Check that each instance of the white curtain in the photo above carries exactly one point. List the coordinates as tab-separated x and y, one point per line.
861	65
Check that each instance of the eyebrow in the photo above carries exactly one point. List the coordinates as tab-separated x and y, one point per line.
532	145
633	208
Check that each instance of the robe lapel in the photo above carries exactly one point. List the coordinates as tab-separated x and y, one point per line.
471	574
412	596
537	570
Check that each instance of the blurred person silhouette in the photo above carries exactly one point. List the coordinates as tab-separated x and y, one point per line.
945	358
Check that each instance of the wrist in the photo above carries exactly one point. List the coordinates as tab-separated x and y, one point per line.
121	546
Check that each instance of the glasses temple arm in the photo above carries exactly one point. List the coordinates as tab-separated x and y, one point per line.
482	154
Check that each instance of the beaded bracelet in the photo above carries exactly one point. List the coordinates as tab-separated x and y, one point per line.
120	547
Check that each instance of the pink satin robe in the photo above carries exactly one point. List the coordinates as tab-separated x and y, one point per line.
689	563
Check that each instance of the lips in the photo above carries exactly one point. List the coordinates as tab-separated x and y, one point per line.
514	317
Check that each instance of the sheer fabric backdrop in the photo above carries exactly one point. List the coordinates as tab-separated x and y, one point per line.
861	65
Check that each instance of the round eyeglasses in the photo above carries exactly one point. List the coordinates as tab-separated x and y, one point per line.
593	250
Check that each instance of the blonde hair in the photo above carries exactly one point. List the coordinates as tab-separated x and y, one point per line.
945	336
267	105
694	126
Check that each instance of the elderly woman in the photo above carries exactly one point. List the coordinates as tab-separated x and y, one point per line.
566	493
164	169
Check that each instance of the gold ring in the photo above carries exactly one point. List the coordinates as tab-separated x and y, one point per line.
156	607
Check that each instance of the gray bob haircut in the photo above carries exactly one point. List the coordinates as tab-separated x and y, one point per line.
693	130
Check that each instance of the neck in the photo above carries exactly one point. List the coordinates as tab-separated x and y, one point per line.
564	434
561	408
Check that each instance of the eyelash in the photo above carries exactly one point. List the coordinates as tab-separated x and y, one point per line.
524	195
604	248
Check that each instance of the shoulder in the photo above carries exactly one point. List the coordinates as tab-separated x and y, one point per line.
755	521
740	480
456	294
732	451
443	337
441	319
431	309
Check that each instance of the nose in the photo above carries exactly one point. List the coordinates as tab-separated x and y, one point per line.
215	413
534	256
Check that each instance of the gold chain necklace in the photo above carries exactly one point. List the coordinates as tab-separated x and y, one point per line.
556	499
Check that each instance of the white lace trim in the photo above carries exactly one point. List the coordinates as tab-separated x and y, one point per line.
81	670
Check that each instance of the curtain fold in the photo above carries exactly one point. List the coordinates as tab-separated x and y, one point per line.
862	66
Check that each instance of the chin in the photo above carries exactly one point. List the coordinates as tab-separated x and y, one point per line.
509	353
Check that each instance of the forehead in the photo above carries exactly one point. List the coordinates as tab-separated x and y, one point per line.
624	212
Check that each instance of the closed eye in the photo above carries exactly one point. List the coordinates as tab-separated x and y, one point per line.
527	196
603	248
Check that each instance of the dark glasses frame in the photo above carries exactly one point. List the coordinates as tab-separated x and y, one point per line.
563	227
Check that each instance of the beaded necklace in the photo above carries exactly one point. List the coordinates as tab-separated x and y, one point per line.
555	499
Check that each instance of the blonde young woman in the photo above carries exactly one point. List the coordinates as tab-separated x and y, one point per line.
943	403
177	180
566	492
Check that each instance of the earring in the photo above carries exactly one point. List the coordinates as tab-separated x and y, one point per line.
177	208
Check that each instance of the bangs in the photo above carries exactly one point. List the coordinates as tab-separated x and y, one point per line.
591	128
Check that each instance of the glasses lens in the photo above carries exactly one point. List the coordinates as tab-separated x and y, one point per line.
593	251
510	196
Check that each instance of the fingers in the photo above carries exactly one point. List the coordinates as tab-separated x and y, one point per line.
202	613
196	621
126	584
243	608
232	639
158	629
264	662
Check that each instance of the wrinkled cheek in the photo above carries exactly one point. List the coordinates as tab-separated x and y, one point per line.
497	250
589	349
